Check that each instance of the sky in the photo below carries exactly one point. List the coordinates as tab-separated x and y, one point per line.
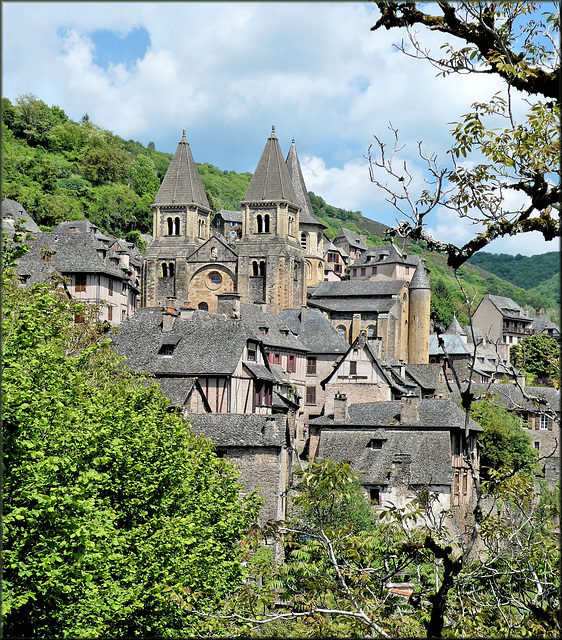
227	71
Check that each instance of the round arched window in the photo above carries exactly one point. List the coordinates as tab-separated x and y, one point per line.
203	306
341	329
214	280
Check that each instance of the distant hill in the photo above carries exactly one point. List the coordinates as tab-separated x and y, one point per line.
523	271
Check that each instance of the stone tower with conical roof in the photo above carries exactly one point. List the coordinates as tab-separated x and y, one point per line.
271	265
311	230
182	260
419	317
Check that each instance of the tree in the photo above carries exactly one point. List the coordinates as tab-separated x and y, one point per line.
504	443
335	578
105	163
518	44
142	175
33	119
109	500
538	355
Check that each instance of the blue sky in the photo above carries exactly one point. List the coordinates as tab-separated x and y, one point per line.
227	71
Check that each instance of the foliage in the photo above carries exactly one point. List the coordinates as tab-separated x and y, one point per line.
504	442
109	499
538	354
491	168
334	581
227	187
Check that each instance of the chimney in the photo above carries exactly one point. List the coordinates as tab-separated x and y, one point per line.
229	304
340	407
355	327
409	409
186	311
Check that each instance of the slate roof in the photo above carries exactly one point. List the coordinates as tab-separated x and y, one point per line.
542	322
430	453
329	246
260	372
454	345
419	279
434	413
12	212
425	375
230	216
255	318
271	181
316	332
357	288
209	345
352	237
386	254
299	186
455	327
241	430
508	308
70	253
177	389
182	184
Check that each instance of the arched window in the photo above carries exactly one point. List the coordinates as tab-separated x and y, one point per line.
171	269
255	268
266	224
290	226
304	241
201	229
262	268
164	270
259	221
177	226
371	331
342	330
203	306
170	227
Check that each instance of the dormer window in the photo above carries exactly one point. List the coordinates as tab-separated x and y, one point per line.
167	350
375	443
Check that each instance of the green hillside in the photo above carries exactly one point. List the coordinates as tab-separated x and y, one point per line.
59	170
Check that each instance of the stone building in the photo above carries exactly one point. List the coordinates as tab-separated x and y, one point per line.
354	244
278	254
385	262
97	270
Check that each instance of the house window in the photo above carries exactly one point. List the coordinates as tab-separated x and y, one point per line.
123	315
374	271
166	350
537	445
110	313
544	421
311	366
354	272
341	329
374	443
291	364
79	317
262	394
252	352
353	368
123	287
110	286
524	420
363	271
407	271
374	495
80	282
311	395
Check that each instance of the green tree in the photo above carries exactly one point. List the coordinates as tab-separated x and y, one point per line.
109	500
33	119
142	176
504	442
517	42
538	355
106	163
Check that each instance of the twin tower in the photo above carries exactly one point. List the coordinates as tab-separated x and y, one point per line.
279	253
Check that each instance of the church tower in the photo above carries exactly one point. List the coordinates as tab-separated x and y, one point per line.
180	224
271	265
311	236
419	317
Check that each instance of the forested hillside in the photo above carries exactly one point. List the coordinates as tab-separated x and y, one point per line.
59	169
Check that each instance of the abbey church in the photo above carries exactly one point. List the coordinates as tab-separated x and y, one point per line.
277	258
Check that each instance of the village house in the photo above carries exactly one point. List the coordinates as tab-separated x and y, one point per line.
402	448
543	324
335	261
100	271
228	224
354	244
384	262
503	321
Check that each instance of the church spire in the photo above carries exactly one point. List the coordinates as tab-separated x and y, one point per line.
182	184
271	181
299	186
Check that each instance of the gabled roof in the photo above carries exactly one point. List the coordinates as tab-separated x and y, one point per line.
178	390
424	375
357	288
230	216
511	396
429	453
12	212
299	186
315	331
386	254
241	430
508	308
541	322
216	238
329	246
182	184
260	321
352	237
271	181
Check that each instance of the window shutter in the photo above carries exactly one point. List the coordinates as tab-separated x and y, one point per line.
550	424
537	423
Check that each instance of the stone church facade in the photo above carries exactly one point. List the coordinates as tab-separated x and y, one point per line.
279	254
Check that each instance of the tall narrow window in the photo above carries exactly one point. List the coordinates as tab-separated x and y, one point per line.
164	270
171	269
262	268
110	287
266	224
110	313
311	366
177	227
254	268
353	368
290	226
259	221
80	282
303	241
311	395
